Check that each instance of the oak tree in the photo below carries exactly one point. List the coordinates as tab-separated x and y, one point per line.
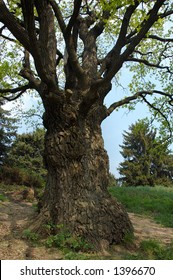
69	52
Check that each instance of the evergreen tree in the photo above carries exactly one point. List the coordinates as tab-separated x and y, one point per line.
8	130
27	152
147	160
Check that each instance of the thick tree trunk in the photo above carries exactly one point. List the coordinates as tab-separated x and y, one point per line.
76	193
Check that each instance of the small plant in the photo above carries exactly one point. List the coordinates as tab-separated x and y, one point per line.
64	240
3	198
128	239
30	235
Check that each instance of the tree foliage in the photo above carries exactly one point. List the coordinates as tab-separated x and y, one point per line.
131	33
147	159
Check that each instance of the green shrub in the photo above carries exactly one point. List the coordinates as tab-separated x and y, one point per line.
30	235
3	198
14	175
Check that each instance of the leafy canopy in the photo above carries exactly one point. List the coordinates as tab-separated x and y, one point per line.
95	40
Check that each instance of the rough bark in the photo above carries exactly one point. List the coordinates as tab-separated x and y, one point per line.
76	194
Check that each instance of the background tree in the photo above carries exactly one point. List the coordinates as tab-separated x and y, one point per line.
23	164
147	159
8	130
50	38
27	152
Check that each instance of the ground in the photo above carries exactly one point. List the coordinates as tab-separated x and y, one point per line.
16	213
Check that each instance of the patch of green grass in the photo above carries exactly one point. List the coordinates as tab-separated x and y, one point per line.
152	250
156	202
3	198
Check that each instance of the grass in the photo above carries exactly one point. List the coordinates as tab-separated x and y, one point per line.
156	202
152	250
3	198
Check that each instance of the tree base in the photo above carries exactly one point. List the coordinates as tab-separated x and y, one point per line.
100	226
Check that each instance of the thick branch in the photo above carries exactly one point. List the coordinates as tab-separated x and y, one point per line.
71	49
139	94
124	101
121	41
99	27
155	37
58	15
118	60
124	26
28	13
72	21
47	41
9	20
27	73
6	37
145	27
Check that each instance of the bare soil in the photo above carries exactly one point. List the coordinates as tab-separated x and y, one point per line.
15	214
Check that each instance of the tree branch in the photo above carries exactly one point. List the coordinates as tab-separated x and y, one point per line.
71	48
28	13
121	42
139	94
58	15
6	37
159	111
27	73
124	101
72	21
9	20
99	27
60	56
20	89
146	62
118	60
155	37
47	41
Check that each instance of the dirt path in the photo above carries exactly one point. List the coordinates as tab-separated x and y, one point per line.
15	214
146	228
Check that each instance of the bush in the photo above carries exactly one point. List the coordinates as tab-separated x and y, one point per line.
14	175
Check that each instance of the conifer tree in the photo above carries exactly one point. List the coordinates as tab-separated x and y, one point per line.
147	159
8	130
27	152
